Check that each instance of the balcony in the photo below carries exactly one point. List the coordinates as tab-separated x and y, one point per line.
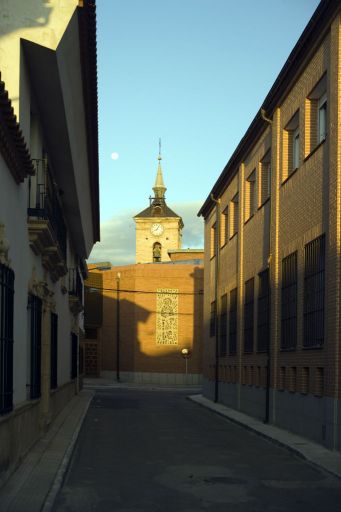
75	291
46	226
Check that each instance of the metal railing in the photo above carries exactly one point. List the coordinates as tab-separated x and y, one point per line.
44	203
75	284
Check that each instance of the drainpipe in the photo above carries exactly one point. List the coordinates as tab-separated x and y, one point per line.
268	373
217	298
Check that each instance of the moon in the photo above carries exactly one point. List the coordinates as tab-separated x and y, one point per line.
114	156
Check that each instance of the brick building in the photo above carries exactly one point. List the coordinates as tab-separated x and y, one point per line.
139	318
272	249
49	210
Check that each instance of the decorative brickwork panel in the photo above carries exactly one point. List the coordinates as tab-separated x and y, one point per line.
167	303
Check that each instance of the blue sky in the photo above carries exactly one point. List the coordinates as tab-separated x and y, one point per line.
193	72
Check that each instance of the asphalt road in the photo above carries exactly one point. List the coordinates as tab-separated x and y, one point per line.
155	451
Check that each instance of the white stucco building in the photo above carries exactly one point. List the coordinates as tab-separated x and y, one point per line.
49	209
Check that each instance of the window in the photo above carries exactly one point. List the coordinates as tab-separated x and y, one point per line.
289	302
265	177
156	252
234	215
223	325
316	115
281	383
263	311
213	239
296	149
250	195
305	377
293	379
224	227
233	322
35	309
6	338
322	118
319	381
54	350
212	319
74	352
291	146
314	264
248	315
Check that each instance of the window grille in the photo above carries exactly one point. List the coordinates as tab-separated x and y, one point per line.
6	338
223	325
305	380
293	379
35	309
74	352
263	311
233	322
314	283
281	383
289	302
212	319
248	315
54	350
319	381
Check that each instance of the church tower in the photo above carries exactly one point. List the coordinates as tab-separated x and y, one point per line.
158	228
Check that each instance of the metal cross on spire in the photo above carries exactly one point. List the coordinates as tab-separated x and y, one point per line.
159	157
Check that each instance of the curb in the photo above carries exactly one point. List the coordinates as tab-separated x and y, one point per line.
223	411
64	465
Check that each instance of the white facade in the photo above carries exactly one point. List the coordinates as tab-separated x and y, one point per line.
49	208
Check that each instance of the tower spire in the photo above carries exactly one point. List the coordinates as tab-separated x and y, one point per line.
159	187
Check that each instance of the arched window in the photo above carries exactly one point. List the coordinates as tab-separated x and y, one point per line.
157	252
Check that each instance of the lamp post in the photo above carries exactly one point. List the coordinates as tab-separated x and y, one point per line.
118	279
186	354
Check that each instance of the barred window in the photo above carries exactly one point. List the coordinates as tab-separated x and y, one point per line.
6	338
74	352
233	322
54	350
314	265
248	315
223	325
263	311
212	319
289	302
35	310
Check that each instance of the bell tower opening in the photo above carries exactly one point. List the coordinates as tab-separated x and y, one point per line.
157	252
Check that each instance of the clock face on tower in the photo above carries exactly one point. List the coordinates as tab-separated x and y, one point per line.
156	229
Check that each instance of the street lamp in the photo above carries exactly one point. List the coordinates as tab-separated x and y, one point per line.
118	279
186	354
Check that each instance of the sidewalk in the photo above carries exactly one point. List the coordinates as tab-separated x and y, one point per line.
311	452
33	487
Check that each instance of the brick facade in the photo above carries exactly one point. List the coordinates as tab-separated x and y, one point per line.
141	358
296	386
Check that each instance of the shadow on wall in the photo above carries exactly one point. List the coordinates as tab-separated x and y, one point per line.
30	14
127	334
